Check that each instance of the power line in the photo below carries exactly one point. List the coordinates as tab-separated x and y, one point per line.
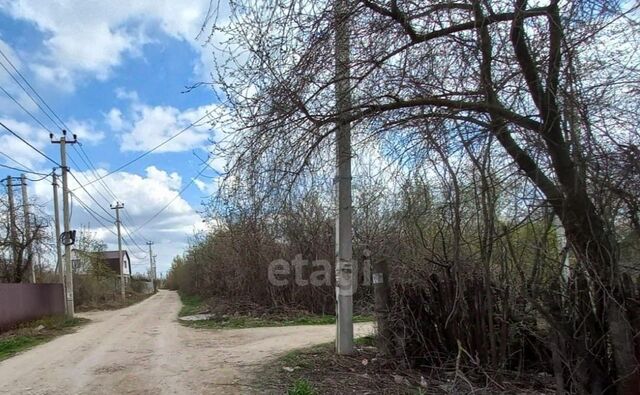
132	239
24	170
93	214
92	198
83	155
25	110
29	144
61	122
87	178
16	162
25	90
38	179
90	165
127	234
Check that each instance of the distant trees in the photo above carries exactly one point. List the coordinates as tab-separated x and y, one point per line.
518	113
89	254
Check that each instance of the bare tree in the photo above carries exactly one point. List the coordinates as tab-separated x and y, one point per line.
15	270
553	84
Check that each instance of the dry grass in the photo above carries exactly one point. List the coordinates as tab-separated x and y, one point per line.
367	372
113	304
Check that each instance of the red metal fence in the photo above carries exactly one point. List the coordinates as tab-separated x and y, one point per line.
25	302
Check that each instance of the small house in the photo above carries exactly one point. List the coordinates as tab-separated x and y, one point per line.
111	259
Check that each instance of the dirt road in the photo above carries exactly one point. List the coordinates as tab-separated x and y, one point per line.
143	350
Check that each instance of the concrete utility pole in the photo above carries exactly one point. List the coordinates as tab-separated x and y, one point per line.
27	228
117	207
150	243
155	287
152	266
56	215
12	223
66	215
344	264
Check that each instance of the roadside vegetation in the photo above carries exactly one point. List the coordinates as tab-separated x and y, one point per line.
33	333
494	173
317	370
238	317
115	302
191	304
96	286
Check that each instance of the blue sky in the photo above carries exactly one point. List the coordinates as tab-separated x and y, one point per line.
115	72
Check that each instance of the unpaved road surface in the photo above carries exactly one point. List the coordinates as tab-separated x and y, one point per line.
143	350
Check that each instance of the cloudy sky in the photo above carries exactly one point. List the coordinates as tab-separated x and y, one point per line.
114	72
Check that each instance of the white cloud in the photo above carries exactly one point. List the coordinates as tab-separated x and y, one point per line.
86	131
124	94
91	38
207	187
151	125
10	108
10	54
171	181
114	120
143	196
17	149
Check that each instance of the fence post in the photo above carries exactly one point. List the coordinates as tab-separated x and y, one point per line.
381	285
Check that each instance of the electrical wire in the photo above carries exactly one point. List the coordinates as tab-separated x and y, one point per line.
106	199
38	179
29	144
132	239
94	200
24	171
24	89
82	152
93	214
83	155
16	162
87	161
10	96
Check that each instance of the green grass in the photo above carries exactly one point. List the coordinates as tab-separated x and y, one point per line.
27	336
191	304
239	322
194	304
369	341
15	344
301	387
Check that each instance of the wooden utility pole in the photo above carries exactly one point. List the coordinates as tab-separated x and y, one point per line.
66	214
27	229
344	264
12	223
117	207
56	216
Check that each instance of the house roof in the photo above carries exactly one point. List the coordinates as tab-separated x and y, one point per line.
114	254
112	259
